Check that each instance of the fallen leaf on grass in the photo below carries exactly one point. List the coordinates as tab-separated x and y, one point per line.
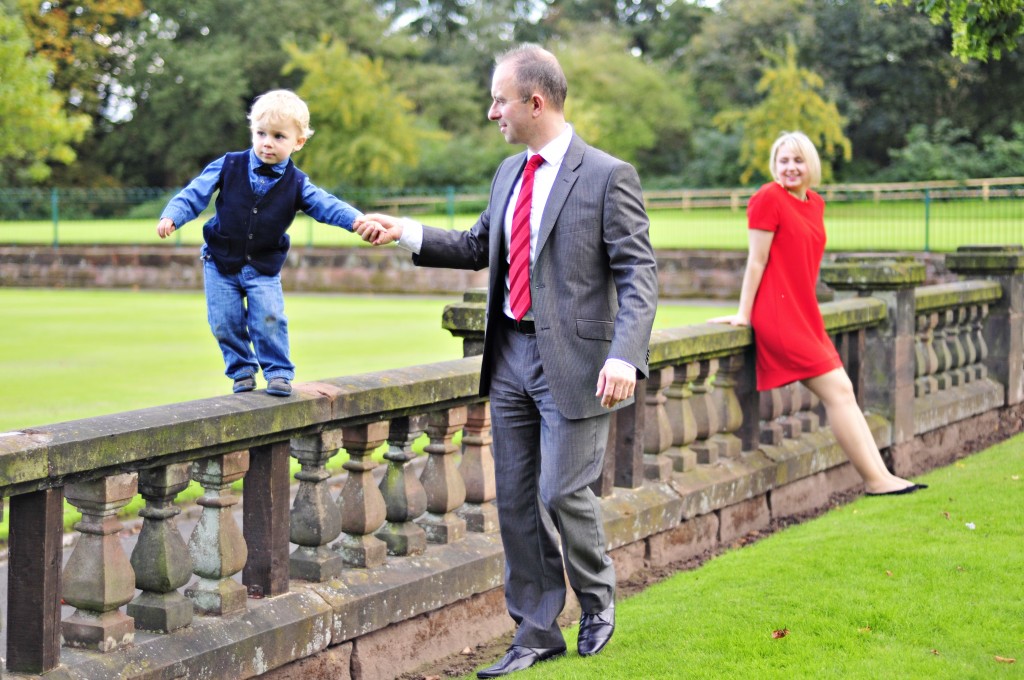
865	629
888	573
1015	478
1003	659
780	633
946	515
935	652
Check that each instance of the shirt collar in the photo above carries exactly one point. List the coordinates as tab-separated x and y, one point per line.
556	149
255	162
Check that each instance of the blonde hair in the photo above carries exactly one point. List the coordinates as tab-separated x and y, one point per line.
805	147
279	106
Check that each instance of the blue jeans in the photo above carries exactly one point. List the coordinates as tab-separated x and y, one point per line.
246	313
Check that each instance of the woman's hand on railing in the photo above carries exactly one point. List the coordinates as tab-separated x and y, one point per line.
731	319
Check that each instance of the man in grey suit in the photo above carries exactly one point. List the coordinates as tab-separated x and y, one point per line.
556	365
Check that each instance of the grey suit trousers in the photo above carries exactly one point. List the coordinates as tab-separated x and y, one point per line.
544	465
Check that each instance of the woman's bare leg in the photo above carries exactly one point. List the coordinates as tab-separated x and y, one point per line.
852	432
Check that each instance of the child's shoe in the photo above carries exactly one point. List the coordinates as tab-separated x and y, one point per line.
279	387
246	383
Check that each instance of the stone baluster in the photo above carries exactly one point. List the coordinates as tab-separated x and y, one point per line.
954	337
657	432
770	411
216	545
806	411
1003	326
160	558
98	578
477	469
977	318
925	382
363	510
792	426
441	479
403	493
680	416
730	414
315	518
705	413
943	353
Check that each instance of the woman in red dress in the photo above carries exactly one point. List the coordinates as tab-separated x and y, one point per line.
786	231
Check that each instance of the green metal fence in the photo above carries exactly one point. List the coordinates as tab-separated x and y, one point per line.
908	216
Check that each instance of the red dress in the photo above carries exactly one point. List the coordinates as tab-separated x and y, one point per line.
789	333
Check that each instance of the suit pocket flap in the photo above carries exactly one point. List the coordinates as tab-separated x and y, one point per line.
594	330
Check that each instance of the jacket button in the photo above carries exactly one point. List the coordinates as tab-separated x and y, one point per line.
255	210
250	237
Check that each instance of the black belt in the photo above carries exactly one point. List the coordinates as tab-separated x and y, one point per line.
525	326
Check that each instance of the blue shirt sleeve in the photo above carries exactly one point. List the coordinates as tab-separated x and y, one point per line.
194	198
327	208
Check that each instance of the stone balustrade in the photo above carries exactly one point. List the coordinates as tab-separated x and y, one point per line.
344	576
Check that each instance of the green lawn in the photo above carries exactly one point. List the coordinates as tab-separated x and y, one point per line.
69	354
922	586
892	225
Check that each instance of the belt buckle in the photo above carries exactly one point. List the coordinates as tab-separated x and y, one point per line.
525	326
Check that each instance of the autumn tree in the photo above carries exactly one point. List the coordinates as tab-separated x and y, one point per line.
35	130
792	101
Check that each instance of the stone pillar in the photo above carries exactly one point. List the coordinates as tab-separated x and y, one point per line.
362	506
658	429
441	480
98	577
35	556
403	493
160	559
217	547
1003	330
315	517
477	469
466	320
889	376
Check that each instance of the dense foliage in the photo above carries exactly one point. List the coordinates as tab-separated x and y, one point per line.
691	92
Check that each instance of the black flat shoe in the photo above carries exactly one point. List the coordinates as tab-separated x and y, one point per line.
595	631
899	492
518	658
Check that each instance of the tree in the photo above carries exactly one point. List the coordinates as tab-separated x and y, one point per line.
35	130
791	102
981	29
365	133
629	107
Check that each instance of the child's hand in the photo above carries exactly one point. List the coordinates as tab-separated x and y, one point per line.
378	229
165	227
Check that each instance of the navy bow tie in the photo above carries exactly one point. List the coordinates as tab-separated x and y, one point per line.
266	170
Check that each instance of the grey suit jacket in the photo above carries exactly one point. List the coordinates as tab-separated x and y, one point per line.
594	281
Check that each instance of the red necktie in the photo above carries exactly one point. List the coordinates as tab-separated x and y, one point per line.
519	244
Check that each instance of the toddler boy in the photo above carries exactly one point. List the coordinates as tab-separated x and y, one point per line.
246	242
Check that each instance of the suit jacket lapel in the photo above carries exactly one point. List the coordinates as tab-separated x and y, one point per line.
567	175
504	182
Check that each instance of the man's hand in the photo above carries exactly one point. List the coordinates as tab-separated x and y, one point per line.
378	229
615	383
165	227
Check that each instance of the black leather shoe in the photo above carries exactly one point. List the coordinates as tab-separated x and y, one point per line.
595	631
518	658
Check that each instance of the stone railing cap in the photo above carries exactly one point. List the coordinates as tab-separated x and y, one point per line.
873	273
1004	259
